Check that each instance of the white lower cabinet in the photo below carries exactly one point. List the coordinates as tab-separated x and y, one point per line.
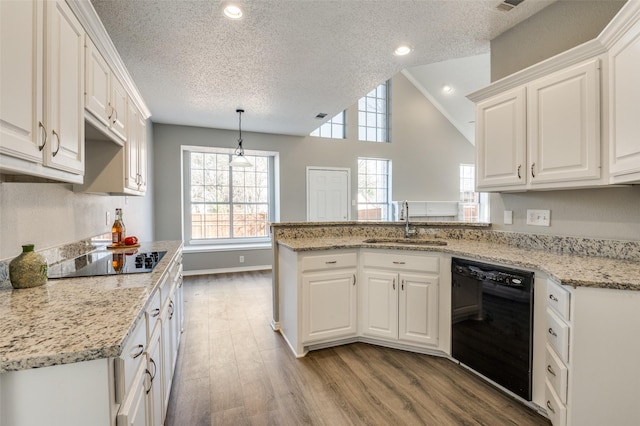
592	374
135	409
399	299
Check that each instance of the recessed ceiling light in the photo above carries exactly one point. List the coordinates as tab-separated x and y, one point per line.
402	50
232	11
447	89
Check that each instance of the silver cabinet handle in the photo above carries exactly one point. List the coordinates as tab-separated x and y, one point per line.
550	370
116	117
553	333
354	279
331	262
155	312
550	407
519	167
155	369
394	283
171	310
532	172
111	111
552	297
395	262
44	133
140	352
402	285
53	132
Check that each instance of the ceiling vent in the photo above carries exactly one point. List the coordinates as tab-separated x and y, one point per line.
321	115
507	5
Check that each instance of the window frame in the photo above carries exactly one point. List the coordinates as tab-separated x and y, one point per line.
273	195
330	125
365	113
388	203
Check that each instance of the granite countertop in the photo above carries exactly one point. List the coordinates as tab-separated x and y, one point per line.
568	269
76	319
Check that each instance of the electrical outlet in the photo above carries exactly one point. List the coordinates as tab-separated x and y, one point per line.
539	217
241	259
508	217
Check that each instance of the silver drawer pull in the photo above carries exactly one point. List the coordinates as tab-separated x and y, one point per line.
550	370
155	312
395	262
550	407
140	352
331	262
552	297
553	333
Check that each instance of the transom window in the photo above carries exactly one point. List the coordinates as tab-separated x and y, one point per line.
334	128
374	189
373	115
227	204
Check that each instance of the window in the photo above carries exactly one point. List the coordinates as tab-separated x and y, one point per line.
226	204
474	205
374	193
334	128
373	114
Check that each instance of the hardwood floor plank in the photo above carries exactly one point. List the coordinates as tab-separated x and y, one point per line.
233	369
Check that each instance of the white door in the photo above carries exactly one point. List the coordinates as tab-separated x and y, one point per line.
327	194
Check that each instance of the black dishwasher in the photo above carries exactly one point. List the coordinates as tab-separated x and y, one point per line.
492	322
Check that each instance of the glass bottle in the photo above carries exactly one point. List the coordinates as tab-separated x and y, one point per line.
118	230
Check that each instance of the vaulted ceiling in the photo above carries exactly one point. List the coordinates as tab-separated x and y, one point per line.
286	61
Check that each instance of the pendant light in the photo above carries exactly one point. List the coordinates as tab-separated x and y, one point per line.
239	160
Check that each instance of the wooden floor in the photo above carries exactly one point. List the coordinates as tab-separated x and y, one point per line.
234	370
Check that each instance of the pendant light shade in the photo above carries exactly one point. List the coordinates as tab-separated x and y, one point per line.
239	160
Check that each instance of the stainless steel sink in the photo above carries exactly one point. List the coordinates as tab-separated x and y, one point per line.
415	241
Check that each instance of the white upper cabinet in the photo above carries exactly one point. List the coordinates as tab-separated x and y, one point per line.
42	78
501	155
563	125
542	134
106	98
624	67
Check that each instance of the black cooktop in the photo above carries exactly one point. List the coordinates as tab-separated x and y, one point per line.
100	263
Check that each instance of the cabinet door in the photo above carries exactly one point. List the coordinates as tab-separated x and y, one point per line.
132	151
564	125
155	394
380	304
135	410
97	83
22	130
329	305
418	314
141	127
624	62
65	89
501	141
119	105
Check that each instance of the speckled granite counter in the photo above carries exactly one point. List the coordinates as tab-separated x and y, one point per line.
570	269
75	319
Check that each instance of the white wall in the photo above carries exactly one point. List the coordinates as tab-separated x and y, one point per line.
51	214
426	151
597	213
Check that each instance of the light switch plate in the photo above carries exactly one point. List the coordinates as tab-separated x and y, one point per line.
539	217
508	217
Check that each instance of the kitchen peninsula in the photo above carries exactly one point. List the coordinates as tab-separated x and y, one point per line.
586	300
77	351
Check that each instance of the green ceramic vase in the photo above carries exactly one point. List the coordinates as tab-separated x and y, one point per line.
29	269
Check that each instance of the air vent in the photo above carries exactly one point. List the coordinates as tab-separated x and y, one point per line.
321	115
507	5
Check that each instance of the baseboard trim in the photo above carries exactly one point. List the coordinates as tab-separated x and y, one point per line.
227	270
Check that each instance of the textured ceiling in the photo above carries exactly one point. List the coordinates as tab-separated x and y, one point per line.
287	60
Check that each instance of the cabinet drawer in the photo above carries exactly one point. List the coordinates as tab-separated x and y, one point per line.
127	363
558	298
556	373
401	261
329	261
152	313
558	335
556	410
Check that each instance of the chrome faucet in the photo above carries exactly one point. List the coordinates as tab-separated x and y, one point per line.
405	209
